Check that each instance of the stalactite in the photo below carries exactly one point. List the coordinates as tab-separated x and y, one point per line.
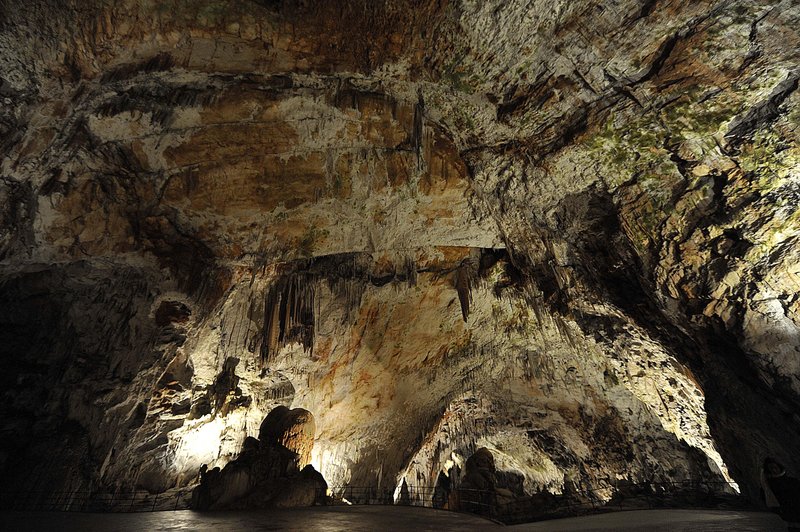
417	132
410	270
291	303
463	283
289	315
272	327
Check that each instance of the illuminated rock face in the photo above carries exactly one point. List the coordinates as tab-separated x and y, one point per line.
564	232
271	471
293	429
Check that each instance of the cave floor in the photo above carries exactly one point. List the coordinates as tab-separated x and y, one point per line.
373	518
664	520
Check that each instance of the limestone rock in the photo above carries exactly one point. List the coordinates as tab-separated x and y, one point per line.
565	232
479	472
266	473
293	429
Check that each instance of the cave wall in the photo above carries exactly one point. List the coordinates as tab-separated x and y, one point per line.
564	231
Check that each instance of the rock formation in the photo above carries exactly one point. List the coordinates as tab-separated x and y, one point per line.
292	429
565	232
267	471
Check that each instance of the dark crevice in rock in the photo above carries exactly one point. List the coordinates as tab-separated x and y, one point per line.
17	215
417	130
661	57
647	7
159	62
159	100
762	114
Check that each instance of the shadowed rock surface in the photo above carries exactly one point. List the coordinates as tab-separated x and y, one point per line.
267	472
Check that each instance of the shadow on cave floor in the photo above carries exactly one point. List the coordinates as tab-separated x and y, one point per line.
382	518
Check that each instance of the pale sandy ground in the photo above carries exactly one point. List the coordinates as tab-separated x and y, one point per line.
380	518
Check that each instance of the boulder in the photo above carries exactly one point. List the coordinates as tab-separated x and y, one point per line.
293	429
267	473
477	492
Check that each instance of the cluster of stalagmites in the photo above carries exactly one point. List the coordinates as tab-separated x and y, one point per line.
269	471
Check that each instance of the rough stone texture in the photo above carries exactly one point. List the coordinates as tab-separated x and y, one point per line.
293	429
265	474
563	231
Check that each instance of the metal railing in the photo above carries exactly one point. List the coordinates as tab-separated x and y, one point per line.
422	496
488	503
92	501
650	495
492	504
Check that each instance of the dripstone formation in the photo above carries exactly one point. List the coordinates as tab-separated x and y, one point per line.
562	233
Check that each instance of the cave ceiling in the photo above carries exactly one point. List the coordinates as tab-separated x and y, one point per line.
563	231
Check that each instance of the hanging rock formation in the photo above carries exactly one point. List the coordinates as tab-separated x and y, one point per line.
565	232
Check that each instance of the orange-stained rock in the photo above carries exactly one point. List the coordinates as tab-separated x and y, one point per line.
294	429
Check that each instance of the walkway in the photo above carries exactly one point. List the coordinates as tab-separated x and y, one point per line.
372	518
663	520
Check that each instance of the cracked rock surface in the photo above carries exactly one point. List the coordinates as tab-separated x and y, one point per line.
562	232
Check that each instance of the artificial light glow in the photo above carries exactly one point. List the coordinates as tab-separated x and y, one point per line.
398	490
199	445
203	442
319	457
212	441
331	462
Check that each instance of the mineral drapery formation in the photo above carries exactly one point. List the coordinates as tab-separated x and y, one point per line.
565	233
